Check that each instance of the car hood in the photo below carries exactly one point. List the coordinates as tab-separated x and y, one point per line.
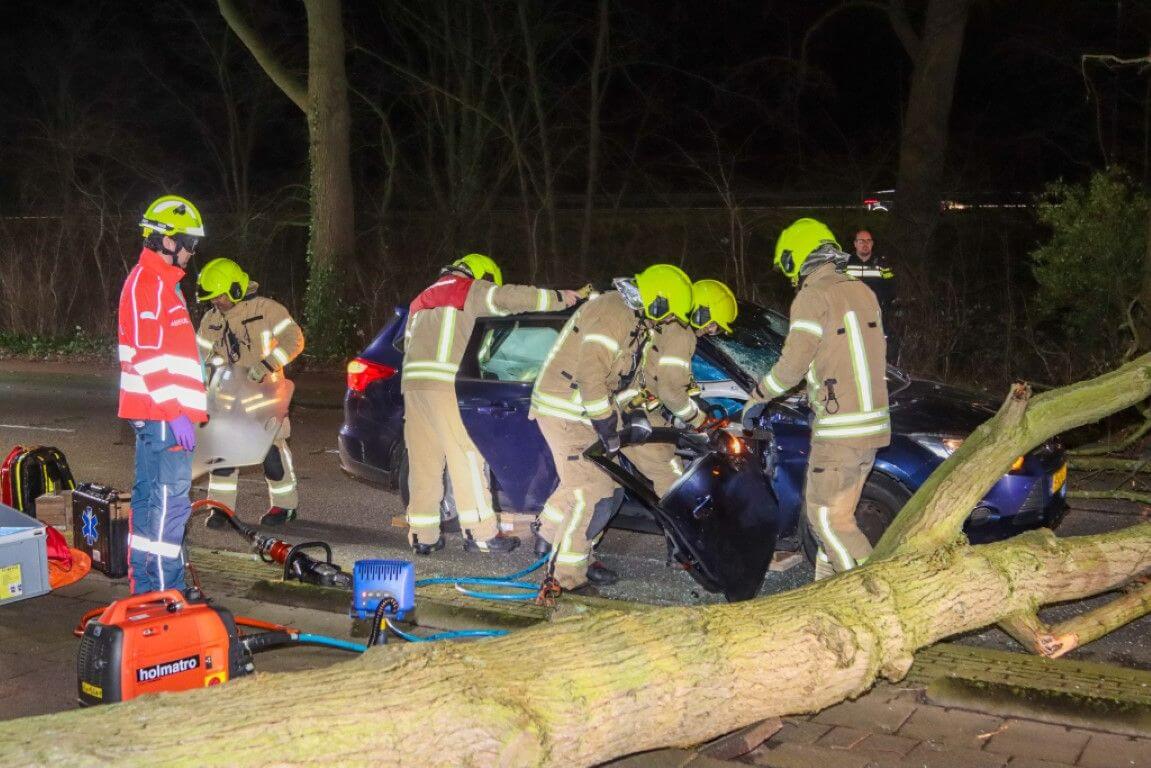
928	406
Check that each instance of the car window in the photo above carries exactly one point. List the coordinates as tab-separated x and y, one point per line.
756	340
514	352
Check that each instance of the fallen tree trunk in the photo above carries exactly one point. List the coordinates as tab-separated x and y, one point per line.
600	685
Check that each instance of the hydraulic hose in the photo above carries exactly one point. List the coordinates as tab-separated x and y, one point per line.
452	635
509	581
330	642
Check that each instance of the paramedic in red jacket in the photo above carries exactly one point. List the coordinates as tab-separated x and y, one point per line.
161	392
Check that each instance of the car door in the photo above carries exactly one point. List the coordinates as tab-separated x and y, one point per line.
494	386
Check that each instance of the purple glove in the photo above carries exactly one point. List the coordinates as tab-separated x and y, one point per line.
184	431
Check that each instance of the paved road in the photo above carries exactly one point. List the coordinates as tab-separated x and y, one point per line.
75	410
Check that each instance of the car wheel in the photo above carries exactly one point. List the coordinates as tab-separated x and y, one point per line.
882	498
449	517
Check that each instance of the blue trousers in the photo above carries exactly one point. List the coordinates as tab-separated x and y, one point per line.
160	509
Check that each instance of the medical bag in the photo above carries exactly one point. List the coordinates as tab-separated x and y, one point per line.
100	527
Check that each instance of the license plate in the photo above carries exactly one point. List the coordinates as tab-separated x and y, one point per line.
1058	479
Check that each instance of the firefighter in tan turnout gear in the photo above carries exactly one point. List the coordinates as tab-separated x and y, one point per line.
256	336
573	403
440	322
835	340
663	386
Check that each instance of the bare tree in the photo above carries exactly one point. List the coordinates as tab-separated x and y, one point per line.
323	99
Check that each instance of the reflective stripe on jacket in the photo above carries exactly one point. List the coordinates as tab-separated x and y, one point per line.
255	330
437	336
595	352
665	371
836	341
160	373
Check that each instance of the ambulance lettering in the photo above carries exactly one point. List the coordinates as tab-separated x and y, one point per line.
166	668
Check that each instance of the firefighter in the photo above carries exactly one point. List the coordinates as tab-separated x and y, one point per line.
596	353
161	392
256	337
663	386
835	340
439	324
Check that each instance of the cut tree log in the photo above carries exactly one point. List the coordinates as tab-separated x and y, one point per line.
602	685
612	683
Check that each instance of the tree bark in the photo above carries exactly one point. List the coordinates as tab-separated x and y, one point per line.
934	515
324	102
593	133
599	685
923	146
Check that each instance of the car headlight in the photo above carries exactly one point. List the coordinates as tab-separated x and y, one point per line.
941	445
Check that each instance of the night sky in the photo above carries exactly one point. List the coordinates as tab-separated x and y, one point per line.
123	86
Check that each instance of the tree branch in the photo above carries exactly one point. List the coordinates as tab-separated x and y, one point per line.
901	25
934	516
292	87
1059	639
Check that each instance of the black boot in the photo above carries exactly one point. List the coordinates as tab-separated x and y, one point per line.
496	544
542	546
216	520
600	575
278	516
427	549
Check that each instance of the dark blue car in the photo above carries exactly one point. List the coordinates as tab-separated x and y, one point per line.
929	421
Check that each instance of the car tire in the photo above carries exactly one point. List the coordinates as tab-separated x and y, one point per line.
449	517
882	498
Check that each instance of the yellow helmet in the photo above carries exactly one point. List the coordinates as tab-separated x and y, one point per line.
222	277
481	267
797	242
715	303
664	289
172	215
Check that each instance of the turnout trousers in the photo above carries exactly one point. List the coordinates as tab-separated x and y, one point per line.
835	477
279	473
437	439
582	490
160	509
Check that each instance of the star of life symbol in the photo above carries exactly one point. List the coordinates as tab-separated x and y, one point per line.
90	530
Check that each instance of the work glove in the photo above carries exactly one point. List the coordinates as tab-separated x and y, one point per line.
184	431
258	371
753	407
569	297
606	430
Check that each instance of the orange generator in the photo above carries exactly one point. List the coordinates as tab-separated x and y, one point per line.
158	641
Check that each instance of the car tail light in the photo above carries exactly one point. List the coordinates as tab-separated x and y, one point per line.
363	372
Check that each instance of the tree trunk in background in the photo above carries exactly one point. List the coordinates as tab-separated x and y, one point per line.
333	231
923	146
1142	327
324	102
593	134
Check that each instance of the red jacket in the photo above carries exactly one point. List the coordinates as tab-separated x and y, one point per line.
160	372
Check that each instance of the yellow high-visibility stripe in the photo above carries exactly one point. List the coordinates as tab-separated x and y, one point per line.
677	361
428	376
853	418
861	431
280	326
859	359
773	386
417	521
542	302
610	344
807	326
844	559
489	299
447	335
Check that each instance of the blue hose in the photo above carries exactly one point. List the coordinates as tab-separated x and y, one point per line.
507	582
445	635
330	642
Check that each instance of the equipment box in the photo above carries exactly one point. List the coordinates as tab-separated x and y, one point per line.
23	556
100	527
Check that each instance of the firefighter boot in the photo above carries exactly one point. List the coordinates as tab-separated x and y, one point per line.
542	546
600	575
278	516
427	549
496	544
216	521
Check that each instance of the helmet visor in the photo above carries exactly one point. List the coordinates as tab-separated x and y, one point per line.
700	316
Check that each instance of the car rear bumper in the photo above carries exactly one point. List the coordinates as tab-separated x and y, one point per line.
352	461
